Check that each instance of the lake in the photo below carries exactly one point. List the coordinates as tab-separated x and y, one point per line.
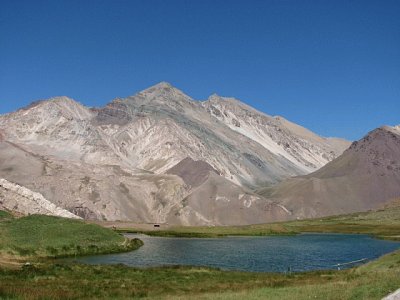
302	252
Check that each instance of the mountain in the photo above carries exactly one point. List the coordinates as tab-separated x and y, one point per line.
128	160
19	199
303	148
214	200
104	192
366	176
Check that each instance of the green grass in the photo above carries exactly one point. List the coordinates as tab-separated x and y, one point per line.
73	281
216	231
5	215
47	279
47	236
382	224
371	281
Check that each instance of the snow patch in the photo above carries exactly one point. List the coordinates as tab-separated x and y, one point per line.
222	198
285	209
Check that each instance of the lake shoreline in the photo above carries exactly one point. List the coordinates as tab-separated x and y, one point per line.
303	252
382	224
36	238
374	279
53	279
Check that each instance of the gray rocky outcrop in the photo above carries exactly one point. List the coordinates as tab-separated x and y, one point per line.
21	199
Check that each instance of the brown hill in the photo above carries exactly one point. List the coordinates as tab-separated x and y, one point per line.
364	177
218	201
193	173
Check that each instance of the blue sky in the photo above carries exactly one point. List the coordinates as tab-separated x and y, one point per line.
331	66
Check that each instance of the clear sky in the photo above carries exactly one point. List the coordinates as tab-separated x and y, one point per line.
331	66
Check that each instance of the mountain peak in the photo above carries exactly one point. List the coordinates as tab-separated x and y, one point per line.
214	96
397	128
56	106
162	85
392	129
61	99
162	92
57	100
376	138
161	88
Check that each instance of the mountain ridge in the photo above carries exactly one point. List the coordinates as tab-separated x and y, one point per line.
366	176
135	141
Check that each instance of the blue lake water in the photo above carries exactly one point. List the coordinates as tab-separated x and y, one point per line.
303	252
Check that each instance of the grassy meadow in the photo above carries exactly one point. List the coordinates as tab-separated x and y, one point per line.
38	236
74	281
49	278
383	223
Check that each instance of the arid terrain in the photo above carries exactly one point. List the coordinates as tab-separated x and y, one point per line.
162	157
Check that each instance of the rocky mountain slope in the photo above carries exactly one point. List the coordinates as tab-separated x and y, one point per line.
306	150
157	128
124	161
104	192
212	199
17	198
366	176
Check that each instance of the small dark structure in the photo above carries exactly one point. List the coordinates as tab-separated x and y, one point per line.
156	225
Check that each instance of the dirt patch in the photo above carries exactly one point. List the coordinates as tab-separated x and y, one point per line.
10	262
130	225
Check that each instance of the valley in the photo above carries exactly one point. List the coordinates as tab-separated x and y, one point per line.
77	179
202	150
52	279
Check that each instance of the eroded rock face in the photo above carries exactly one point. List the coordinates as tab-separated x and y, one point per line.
112	163
103	192
18	198
159	127
116	112
306	150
